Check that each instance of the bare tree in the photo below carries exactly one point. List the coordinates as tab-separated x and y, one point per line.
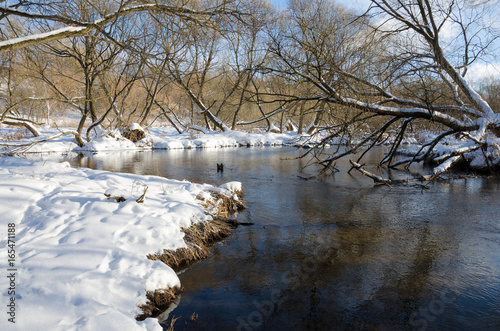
388	74
13	99
247	44
193	65
94	34
92	57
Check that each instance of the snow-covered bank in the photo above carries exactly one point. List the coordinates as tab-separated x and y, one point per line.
156	138
81	258
169	138
477	159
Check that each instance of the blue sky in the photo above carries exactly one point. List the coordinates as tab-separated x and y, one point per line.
354	4
280	4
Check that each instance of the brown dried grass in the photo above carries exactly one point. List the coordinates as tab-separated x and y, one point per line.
223	205
134	135
172	323
199	238
15	135
158	301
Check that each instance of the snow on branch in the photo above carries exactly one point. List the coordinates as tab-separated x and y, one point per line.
9	120
443	167
198	128
83	28
36	39
457	152
437	116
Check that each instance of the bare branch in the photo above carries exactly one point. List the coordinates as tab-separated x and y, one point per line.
83	28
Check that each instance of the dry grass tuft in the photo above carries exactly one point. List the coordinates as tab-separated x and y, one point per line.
222	206
181	257
158	301
239	194
227	205
172	323
134	135
199	238
15	135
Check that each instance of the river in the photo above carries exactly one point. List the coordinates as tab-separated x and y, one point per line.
335	252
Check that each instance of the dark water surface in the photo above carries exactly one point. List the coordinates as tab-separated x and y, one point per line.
335	253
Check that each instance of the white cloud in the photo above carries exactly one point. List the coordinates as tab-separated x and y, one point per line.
479	71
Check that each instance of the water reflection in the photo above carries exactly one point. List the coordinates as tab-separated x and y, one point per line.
336	252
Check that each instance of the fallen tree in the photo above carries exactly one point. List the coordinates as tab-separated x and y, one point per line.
383	80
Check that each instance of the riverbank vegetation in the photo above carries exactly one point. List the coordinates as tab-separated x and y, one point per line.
400	69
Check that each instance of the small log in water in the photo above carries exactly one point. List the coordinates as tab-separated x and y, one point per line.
388	182
375	178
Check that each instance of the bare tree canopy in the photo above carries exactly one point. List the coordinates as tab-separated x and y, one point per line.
403	62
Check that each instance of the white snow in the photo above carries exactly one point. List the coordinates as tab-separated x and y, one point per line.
445	165
80	257
233	187
135	126
107	144
156	138
168	138
451	144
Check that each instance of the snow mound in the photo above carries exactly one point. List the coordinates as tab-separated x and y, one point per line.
233	187
135	126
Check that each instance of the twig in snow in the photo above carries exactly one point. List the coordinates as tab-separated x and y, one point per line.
141	198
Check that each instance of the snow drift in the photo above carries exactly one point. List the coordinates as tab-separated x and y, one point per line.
81	258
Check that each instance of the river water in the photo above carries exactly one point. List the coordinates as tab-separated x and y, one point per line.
337	252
